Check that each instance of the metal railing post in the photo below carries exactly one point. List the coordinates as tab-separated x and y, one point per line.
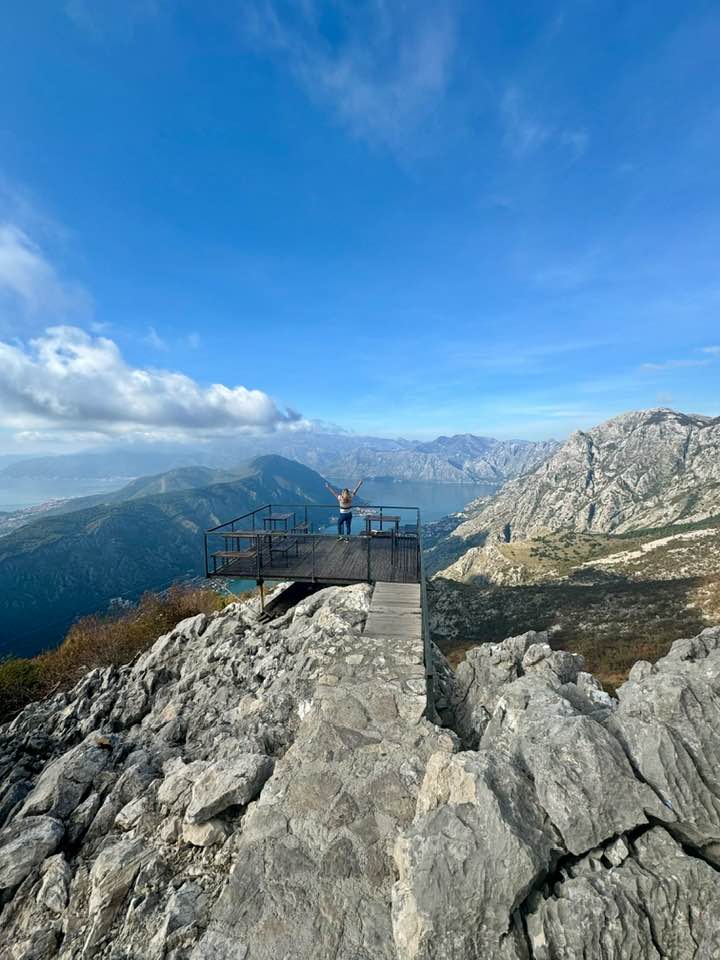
313	558
369	538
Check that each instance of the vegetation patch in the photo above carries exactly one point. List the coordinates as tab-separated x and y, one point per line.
100	641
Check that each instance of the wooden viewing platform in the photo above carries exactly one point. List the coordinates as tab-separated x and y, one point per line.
278	542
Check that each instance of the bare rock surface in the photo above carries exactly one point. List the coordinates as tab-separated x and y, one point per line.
577	826
274	791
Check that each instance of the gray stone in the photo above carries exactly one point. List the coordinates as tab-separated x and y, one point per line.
24	844
111	877
55	883
205	834
65	781
659	903
374	838
227	784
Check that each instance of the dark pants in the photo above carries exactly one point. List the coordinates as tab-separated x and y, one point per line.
345	519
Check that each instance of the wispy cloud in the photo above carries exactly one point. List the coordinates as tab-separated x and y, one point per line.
674	364
70	381
526	128
28	281
520	357
524	131
386	75
153	339
713	351
119	17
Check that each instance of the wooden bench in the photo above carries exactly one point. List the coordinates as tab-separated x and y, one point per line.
226	556
236	554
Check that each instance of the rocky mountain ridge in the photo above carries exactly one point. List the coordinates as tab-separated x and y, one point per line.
464	458
257	791
642	469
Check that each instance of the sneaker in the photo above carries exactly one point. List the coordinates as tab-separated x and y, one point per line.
339	539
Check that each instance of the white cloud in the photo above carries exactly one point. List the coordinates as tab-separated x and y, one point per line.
29	282
386	75
70	381
713	351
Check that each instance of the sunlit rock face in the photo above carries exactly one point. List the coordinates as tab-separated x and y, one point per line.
275	790
642	469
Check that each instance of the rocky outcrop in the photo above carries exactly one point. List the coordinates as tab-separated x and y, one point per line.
266	791
236	791
577	826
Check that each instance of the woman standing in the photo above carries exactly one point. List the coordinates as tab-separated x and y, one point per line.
344	499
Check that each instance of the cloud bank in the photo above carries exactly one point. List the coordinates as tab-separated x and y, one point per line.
69	380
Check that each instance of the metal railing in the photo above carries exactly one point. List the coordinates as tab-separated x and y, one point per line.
283	541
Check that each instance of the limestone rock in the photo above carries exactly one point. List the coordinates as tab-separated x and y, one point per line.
205	834
64	782
54	887
227	784
111	877
24	844
268	791
657	903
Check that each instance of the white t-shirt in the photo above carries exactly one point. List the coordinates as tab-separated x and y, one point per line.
345	505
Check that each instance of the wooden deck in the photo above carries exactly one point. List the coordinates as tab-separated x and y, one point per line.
325	559
396	612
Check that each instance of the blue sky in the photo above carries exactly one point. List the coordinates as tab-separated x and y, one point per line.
403	218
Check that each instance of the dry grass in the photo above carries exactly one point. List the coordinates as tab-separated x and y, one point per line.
100	641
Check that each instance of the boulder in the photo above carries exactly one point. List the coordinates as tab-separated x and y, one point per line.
231	783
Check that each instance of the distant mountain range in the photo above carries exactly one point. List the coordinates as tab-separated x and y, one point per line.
460	459
73	561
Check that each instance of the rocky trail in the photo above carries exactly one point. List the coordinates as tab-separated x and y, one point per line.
274	791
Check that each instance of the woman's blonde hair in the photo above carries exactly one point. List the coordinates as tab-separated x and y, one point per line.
345	493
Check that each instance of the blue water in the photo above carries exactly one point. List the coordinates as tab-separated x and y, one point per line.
435	500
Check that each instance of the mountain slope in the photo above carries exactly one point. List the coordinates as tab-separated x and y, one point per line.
642	469
61	567
258	790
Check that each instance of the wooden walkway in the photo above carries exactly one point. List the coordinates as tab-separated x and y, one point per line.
395	612
325	559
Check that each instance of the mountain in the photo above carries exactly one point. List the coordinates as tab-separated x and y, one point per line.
59	567
461	459
643	469
614	543
258	790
